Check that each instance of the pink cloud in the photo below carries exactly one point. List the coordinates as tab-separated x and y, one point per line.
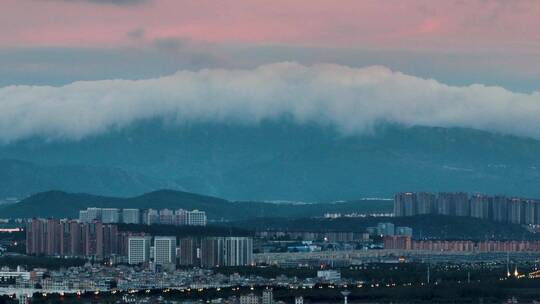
430	26
415	24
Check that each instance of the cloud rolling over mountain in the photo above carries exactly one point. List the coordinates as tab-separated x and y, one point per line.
353	100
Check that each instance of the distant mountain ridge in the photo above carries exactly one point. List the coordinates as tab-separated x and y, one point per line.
282	160
59	204
22	178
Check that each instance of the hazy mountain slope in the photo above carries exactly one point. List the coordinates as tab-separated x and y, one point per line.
61	204
22	178
283	160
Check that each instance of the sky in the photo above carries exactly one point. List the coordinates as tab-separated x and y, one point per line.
458	42
475	25
486	49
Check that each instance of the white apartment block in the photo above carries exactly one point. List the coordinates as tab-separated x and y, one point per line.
166	216
196	218
151	217
110	215
178	217
131	216
138	249
249	299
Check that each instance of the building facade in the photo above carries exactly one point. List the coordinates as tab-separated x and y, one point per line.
138	249
165	252
71	238
497	208
238	251
131	216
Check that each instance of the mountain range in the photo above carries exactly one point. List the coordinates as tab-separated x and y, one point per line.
60	204
273	160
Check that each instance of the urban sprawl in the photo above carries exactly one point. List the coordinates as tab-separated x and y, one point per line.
119	259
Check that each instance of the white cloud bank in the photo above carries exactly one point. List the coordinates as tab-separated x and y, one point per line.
351	99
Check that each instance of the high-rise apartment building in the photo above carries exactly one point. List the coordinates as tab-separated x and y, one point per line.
196	218
52	243
110	215
65	238
90	215
34	237
180	217
138	249
461	201
187	251
496	208
166	216
500	208
75	239
216	251
93	239
426	203
70	238
453	203
165	252
83	216
151	217
529	207
93	214
190	218
405	204
131	216
238	251
110	240
481	206
516	211
537	212
211	252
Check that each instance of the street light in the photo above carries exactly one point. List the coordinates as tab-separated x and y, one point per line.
345	294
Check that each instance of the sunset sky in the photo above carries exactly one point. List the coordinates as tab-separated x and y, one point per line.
456	42
466	26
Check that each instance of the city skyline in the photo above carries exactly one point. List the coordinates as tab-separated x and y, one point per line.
498	208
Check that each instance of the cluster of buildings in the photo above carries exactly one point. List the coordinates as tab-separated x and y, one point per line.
311	236
496	208
105	278
382	229
267	297
99	241
389	229
127	280
286	241
179	217
337	215
406	243
205	252
71	238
